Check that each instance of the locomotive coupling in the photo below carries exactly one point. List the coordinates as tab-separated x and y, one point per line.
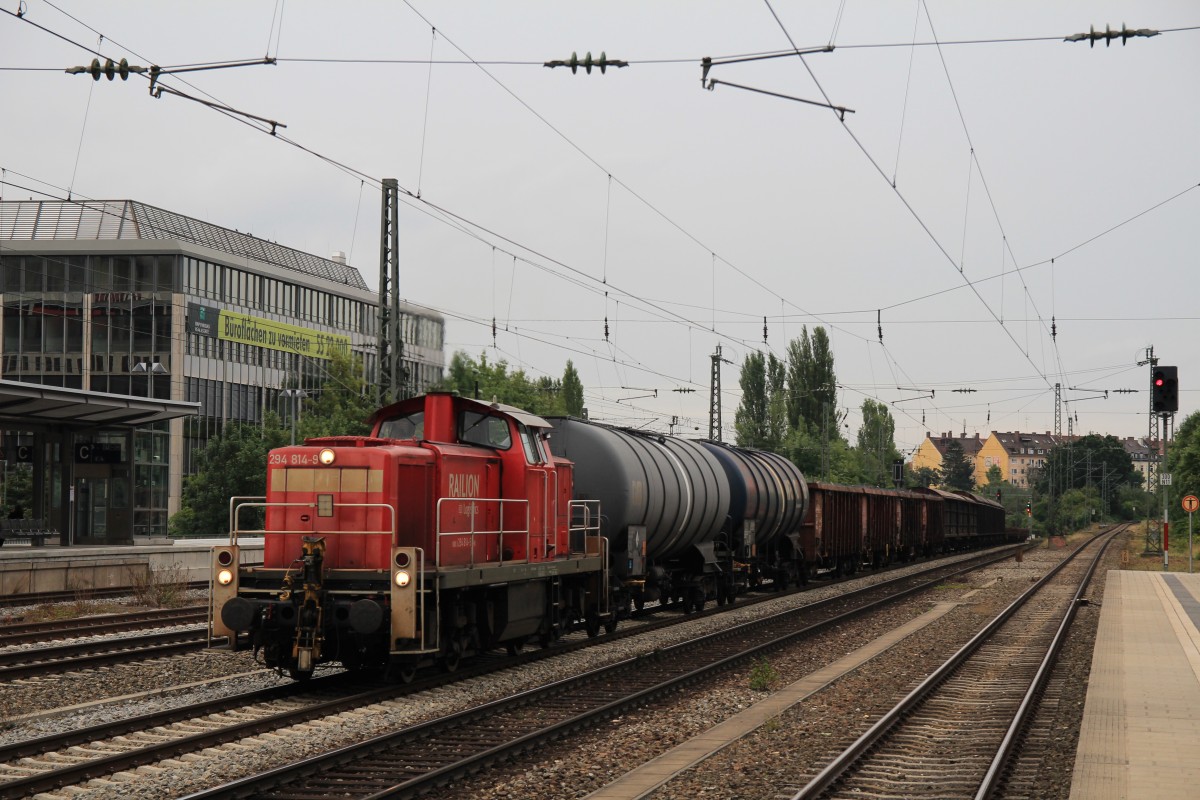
306	648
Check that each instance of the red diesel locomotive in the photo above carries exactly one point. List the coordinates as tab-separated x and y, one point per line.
449	531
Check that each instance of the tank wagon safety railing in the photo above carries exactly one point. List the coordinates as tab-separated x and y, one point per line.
260	502
584	518
473	513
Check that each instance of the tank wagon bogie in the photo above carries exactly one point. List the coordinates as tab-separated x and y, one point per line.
459	526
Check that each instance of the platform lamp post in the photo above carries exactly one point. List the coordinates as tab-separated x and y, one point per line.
294	396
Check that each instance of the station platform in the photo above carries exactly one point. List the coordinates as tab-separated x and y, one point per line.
25	569
1140	735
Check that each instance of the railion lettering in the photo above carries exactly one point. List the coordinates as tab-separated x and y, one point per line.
462	485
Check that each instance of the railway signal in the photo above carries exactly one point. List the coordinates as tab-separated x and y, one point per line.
1164	390
1028	509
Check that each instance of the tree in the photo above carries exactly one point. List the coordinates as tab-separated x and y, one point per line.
486	381
1183	462
18	489
232	464
1091	460
341	407
923	477
877	443
750	420
811	383
957	471
572	391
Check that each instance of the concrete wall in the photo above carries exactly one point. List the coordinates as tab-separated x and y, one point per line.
78	569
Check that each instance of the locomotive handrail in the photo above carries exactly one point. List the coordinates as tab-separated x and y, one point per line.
234	530
233	506
473	533
586	524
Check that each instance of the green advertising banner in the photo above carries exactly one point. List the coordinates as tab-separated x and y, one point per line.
234	327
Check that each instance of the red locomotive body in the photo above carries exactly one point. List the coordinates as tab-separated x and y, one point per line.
450	530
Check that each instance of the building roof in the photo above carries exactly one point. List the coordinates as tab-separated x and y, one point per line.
970	444
74	220
34	406
1014	441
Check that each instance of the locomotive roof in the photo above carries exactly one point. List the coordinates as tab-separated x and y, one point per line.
413	403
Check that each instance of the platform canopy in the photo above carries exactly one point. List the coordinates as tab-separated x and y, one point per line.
32	406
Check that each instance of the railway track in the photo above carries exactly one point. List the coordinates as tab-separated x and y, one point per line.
40	598
65	759
22	633
56	659
957	733
420	758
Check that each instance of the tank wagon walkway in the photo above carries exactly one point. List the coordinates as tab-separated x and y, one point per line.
1141	721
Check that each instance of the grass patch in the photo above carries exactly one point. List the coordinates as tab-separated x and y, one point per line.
160	587
763	676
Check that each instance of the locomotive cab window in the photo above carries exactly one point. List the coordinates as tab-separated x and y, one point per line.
410	426
533	448
482	429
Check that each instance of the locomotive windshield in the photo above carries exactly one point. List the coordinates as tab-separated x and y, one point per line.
484	429
410	426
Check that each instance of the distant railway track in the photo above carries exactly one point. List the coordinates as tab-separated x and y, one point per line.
76	595
275	709
25	632
957	733
35	662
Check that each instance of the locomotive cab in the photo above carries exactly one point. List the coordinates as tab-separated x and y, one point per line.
450	530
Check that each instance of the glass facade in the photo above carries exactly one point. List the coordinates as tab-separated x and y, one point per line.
114	322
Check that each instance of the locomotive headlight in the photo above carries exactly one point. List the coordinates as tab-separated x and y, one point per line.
225	577
402	578
326	457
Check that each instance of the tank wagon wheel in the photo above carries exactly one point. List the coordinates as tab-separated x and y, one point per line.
591	623
610	622
515	646
297	675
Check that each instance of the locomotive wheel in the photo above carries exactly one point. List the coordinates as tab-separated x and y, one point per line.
453	656
402	672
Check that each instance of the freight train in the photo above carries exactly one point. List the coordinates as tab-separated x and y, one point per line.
460	526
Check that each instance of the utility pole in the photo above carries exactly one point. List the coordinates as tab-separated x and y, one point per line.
1152	468
390	344
714	397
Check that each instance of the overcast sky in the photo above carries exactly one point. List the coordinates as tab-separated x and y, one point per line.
551	201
